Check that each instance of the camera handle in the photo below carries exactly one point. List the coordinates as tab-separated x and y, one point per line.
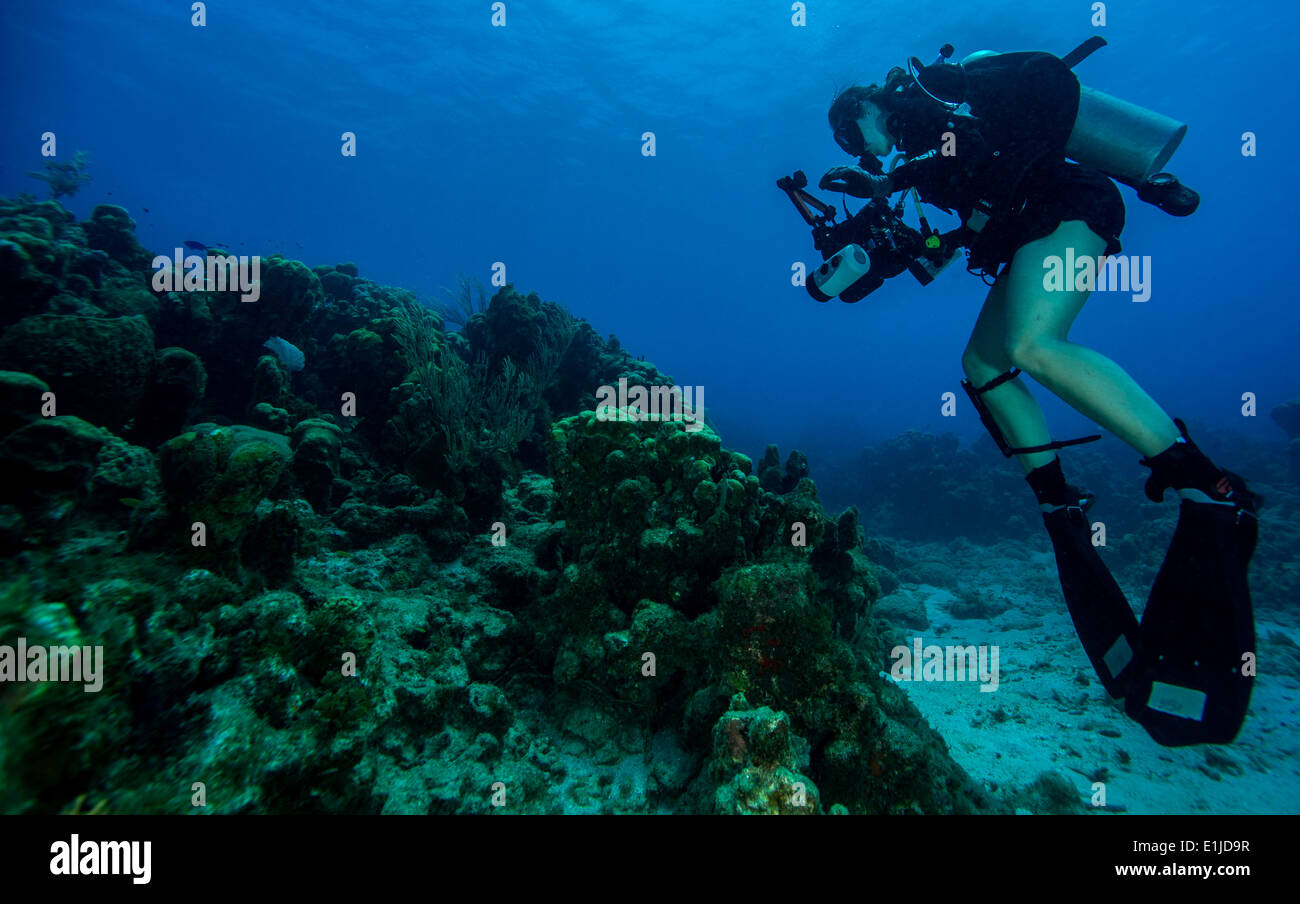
794	187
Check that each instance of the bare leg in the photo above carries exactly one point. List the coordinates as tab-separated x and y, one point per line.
1037	322
1012	405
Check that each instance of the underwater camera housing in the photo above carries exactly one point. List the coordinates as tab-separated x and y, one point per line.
868	248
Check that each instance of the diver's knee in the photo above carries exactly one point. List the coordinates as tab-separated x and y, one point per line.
1031	354
977	370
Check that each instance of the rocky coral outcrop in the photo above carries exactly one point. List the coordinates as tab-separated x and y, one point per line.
334	590
98	367
110	229
756	765
213	479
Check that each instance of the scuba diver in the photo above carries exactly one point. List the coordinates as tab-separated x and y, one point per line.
988	139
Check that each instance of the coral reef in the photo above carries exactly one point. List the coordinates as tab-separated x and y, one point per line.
421	574
64	178
458	305
756	766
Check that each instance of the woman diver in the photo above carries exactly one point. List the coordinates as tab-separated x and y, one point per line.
987	139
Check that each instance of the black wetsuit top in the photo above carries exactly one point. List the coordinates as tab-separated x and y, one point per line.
1010	155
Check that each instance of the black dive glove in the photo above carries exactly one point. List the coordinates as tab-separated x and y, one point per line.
855	181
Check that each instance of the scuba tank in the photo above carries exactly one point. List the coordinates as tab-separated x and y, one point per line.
1127	142
1121	139
1124	141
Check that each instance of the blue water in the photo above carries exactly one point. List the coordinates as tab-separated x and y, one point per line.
522	144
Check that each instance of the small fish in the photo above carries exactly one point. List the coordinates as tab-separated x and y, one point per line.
196	246
290	356
130	501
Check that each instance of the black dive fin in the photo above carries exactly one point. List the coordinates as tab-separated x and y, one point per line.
1198	629
1101	613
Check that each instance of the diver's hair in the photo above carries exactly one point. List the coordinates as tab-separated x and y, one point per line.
847	105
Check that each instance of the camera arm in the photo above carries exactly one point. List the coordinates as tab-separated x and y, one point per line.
794	186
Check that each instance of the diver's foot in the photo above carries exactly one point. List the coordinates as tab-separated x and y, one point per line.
1188	471
1053	493
1229	489
1080	498
1075	498
1184	468
1166	192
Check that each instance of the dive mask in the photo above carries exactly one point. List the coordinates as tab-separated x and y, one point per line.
849	137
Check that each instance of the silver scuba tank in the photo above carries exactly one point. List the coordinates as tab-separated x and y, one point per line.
1121	139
